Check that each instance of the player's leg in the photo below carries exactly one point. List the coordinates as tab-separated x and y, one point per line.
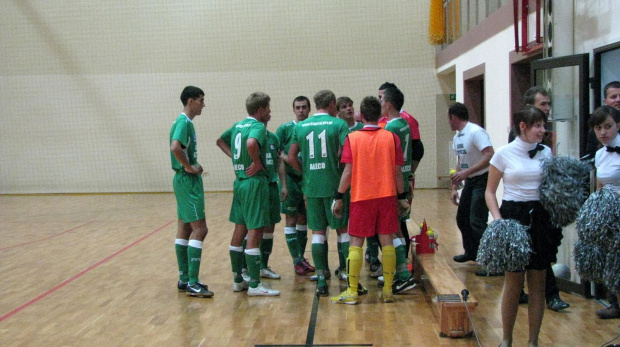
180	246
317	222
266	244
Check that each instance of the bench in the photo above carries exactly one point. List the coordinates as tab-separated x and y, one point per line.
445	288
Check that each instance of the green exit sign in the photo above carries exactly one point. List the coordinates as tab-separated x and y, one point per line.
452	97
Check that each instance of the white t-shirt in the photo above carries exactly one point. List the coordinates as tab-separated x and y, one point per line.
468	145
521	175
608	165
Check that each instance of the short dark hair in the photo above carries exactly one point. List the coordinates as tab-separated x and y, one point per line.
600	115
190	92
529	98
343	100
387	85
395	97
255	101
612	84
302	98
370	108
323	98
459	111
528	115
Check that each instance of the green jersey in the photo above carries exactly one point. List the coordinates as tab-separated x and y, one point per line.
400	127
357	126
320	139
285	134
237	137
271	156
184	132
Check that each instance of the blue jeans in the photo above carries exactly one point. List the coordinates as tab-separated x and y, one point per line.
472	214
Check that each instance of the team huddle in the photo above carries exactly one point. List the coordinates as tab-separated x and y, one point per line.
321	171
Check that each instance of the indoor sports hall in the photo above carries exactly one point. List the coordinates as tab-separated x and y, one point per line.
89	91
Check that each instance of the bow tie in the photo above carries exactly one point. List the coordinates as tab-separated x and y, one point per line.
613	149
532	153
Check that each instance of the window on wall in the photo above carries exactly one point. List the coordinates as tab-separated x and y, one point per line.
461	16
606	69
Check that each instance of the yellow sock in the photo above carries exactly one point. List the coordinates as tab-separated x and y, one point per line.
354	266
389	267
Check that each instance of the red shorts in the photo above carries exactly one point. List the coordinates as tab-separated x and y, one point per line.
374	216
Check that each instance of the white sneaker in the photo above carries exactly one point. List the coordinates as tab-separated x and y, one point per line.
238	287
244	274
380	279
263	289
268	273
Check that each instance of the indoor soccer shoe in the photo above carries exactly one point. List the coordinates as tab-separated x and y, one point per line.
263	289
341	274
399	285
346	298
199	290
268	273
322	291
241	286
182	286
244	275
307	265
361	290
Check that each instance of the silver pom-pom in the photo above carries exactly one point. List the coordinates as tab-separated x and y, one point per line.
589	261
505	246
564	188
612	271
599	220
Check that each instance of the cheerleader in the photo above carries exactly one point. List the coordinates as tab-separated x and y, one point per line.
605	121
518	164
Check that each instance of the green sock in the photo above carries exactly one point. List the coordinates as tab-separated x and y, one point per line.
319	256
243	264
180	247
343	254
252	258
194	253
236	259
265	246
373	247
291	242
302	241
401	262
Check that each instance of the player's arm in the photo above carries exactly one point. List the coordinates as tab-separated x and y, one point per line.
177	150
224	147
345	183
254	153
292	157
417	152
282	177
490	193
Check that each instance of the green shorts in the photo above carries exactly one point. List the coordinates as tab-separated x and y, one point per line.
250	205
190	195
294	204
320	213
274	203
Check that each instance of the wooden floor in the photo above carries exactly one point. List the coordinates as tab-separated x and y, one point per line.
100	270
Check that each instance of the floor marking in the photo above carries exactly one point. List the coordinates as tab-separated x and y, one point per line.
83	272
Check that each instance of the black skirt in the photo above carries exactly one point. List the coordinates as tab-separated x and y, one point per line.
545	238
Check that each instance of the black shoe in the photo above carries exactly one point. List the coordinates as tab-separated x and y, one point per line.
610	312
401	286
322	291
374	266
556	304
463	258
524	298
200	290
484	273
181	286
361	290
